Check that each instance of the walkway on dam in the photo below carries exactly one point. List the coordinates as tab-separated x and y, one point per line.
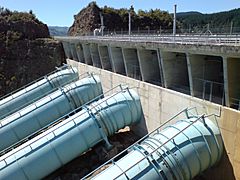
179	39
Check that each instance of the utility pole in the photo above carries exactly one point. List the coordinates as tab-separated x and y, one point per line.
129	22
231	28
189	28
174	19
102	25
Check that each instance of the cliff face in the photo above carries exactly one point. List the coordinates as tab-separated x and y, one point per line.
85	21
117	20
26	50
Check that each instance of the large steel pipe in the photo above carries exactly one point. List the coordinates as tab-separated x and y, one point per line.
39	114
36	91
65	141
179	152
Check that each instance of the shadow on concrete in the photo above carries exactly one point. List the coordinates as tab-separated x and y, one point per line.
222	171
140	128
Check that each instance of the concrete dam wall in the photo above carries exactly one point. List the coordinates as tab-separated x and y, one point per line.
160	104
208	72
169	78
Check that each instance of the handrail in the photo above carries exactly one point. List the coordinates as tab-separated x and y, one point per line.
208	81
235	102
66	121
150	154
178	39
61	118
35	102
185	110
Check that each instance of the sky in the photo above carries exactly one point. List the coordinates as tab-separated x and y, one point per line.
61	12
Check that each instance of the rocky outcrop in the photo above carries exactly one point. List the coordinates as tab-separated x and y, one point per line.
85	21
26	50
115	20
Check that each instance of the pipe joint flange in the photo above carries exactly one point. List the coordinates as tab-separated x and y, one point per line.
101	131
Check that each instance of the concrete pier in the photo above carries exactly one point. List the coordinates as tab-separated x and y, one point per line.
233	85
73	51
131	63
79	50
149	66
95	55
117	60
176	71
87	54
67	49
104	57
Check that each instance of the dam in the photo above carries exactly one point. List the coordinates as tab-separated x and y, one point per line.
178	94
170	74
143	94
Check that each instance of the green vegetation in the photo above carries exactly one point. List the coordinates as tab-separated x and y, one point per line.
7	15
143	20
13	36
154	19
221	21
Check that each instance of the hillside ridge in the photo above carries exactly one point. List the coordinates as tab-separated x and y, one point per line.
26	50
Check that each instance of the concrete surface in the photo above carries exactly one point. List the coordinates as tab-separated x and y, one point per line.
149	66
160	104
104	57
117	60
87	54
79	50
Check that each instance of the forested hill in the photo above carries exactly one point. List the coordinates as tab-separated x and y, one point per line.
220	19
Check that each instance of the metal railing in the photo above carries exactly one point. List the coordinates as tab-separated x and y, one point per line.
13	117
160	148
187	112
235	103
229	40
210	90
180	88
117	89
226	30
42	95
134	71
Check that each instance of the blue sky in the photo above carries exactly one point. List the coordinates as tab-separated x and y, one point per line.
60	12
